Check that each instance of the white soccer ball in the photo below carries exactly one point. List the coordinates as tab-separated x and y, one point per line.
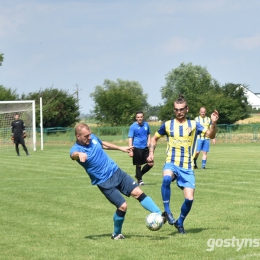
154	221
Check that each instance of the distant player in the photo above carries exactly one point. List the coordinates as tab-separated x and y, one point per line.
203	142
18	134
89	152
139	137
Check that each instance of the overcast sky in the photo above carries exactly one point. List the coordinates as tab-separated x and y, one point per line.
69	43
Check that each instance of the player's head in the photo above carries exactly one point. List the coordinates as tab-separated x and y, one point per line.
180	107
139	116
16	116
203	111
83	133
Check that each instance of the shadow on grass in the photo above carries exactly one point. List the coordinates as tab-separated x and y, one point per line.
161	237
101	236
188	231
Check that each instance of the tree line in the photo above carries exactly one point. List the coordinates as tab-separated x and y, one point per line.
116	102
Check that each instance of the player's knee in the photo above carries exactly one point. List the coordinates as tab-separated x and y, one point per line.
166	180
123	207
136	192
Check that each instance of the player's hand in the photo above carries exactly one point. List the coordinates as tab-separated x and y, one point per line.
150	158
82	157
214	116
24	135
127	149
131	153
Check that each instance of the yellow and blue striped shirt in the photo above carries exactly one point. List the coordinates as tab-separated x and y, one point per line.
181	141
206	123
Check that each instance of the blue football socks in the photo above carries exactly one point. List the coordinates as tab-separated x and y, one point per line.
166	192
149	205
118	221
185	209
204	163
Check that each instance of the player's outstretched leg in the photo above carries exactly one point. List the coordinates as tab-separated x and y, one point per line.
148	203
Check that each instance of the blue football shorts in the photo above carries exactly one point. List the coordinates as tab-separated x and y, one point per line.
119	183
203	145
185	177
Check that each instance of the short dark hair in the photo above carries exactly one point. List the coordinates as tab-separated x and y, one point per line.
139	112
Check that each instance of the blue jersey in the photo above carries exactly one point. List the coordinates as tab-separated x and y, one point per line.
206	122
140	134
181	141
98	165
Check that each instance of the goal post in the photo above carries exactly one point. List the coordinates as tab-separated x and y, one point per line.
26	110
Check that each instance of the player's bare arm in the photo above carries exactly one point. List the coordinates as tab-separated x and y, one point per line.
110	146
79	156
211	133
152	146
130	143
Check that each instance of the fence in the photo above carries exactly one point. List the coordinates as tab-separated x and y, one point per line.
225	133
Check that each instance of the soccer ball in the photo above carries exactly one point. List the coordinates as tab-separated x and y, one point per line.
154	221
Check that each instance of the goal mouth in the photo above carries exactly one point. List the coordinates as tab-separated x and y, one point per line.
26	111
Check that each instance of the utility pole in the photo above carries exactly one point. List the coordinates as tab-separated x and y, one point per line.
77	94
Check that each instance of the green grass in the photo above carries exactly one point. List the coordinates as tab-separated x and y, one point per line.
49	210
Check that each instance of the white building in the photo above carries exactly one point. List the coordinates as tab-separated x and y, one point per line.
253	98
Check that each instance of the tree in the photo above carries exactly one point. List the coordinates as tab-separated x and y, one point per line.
234	104
7	94
1	58
200	89
60	109
194	82
117	102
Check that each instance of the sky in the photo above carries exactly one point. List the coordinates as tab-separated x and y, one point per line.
77	44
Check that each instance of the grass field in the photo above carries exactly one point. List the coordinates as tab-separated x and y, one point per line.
49	210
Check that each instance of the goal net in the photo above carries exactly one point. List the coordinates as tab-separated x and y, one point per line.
26	110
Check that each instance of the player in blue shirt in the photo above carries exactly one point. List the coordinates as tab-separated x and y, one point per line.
139	137
104	172
181	146
203	142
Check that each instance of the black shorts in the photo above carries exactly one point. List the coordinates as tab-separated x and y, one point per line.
119	182
140	156
18	139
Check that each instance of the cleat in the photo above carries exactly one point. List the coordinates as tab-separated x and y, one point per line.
203	168
141	183
195	166
169	217
179	228
117	237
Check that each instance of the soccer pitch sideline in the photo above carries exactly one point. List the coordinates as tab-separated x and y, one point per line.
49	210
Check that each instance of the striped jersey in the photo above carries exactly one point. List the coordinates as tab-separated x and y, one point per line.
181	141
206	122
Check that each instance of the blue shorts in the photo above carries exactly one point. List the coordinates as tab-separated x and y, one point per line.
185	177
203	145
119	182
